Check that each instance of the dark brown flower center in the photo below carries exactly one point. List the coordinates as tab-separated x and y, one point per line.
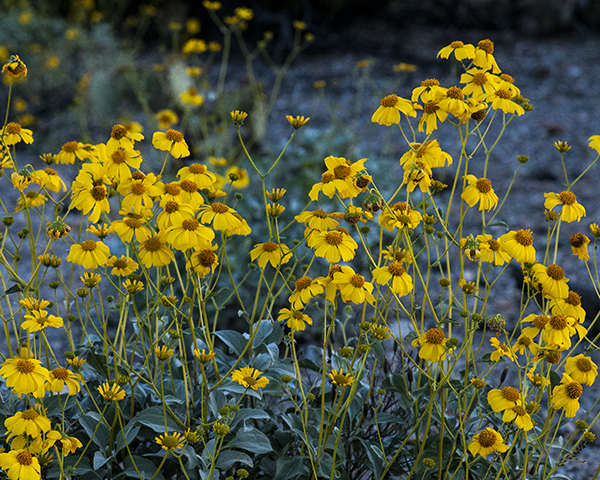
357	280
25	366
435	336
334	238
88	245
457	44
486	45
483	185
479	79
430	108
558	322
389	101
197	168
60	373
567	198
303	283
69	147
510	393
118	156
396	269
327	177
132	222
574	390
573	298
503	94
120	263
219	207
172	189
188	186
30	414
430	82
584	364
174	135
153	244
24	458
190	224
555	272
118	132
13	128
138	188
456	93
98	192
269	246
171	206
524	237
206	258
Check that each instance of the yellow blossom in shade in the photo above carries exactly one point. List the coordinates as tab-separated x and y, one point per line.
171	141
248	378
317	220
123	266
402	283
76	362
188	233
459	49
14	133
238	117
306	290
353	287
90	279
29	422
31	200
501	99
89	193
119	162
581	369
154	252
453	101
243	228
101	230
494	253
14	67
524	342
340	378
202	356
192	72
388	112
112	393
61	378
243	178
566	395
70	151
501	399
198	174
39	319
558	331
501	350
569	306
479	82
519	245
539	323
479	190
339	178
571	210
32	304
191	97
433	345
89	254
69	444
399	215
163	352
173	441
130	226
428	91
133	286
297	122
194	45
139	191
296	319
20	465
203	260
335	245
552	279
432	113
188	194
25	376
276	254
579	246
220	216
166	119
518	414
595	143
429	152
417	174
487	441
120	136
483	56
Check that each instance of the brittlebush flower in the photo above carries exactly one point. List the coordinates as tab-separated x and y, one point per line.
123	266
494	254
112	392
566	395
486	442
571	210
39	319
433	345
276	254
501	399
401	281
202	356
388	112
171	141
306	289
519	245
20	465
296	319
518	414
501	350
340	378
559	330
154	252
579	246
14	67
582	369
339	178
29	422
479	190
335	245
166	118
459	49
248	378
25	376
353	287
89	254
14	133
430	153
203	259
61	378
170	442
569	306
552	279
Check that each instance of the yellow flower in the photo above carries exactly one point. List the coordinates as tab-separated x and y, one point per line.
112	392
276	254
459	49
340	378
401	281
120	136
479	82
31	200
76	362
28	422
571	210
198	174
317	220
579	245
170	442
353	287
519	245
133	286
188	233
154	252
306	289
89	254
297	122
483	56
399	215
417	174
14	67
203	357
14	133
566	395
89	192
558	331
248	377
569	306
519	415
453	101
20	465
582	369
194	45
501	351
132	224
487	441
238	117
296	319
192	97
335	245
39	320
388	112
171	141
431	114
433	345
494	253
220	216
552	279
595	143
166	118
428	91
119	161
163	352
524	342
123	266
203	260
479	190
25	376
501	399
429	152
211	5
61	378
69	444
539	323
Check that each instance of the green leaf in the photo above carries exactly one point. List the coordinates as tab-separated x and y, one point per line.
291	468
14	289
234	340
554	379
379	353
154	419
100	460
251	440
145	467
227	458
396	383
131	431
90	421
375	456
248	414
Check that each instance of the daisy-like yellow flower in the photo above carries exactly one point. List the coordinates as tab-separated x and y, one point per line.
501	399
539	323
335	245
132	225
191	97
89	192
569	306
29	422
494	253
483	56
501	350
171	141
459	49
166	119
14	133
296	319
316	221
353	287
402	283
163	352
119	161
559	330
14	67
566	395
32	304
582	369
61	378
595	143
120	136
276	254
248	378
399	215
123	267
31	200
173	441
297	122
388	113
339	178
519	245
453	101
101	230
579	246
139	191
188	234
552	279
417	174
202	356
519	416
479	190
20	465
220	216
133	286
571	210
112	393
39	319
501	99
203	259
340	378
306	290
194	45
432	113
487	441
198	174
524	342
433	345
89	254
154	252
25	376
69	444
428	91
70	151
429	152
479	82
